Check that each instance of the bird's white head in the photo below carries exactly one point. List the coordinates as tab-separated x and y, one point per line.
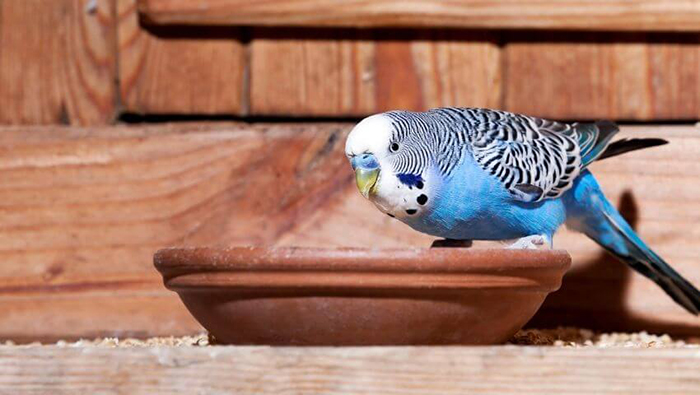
371	135
375	153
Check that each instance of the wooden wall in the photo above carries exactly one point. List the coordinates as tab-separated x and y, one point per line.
57	62
169	71
89	62
84	206
82	210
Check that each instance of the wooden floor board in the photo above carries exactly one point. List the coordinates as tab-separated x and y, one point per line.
370	370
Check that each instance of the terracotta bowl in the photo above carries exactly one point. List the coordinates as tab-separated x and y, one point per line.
304	296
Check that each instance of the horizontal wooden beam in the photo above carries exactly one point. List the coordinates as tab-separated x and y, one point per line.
635	15
192	74
82	210
372	370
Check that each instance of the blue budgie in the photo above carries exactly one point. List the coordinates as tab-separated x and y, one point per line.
477	174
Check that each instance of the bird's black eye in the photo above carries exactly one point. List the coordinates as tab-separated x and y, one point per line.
394	147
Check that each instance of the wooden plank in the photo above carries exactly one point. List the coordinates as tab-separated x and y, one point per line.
599	292
564	76
171	71
651	189
82	211
57	62
647	15
358	73
96	309
597	76
369	370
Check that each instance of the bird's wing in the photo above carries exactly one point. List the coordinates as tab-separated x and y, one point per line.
534	158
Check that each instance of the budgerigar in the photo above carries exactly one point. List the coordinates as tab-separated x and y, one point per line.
479	174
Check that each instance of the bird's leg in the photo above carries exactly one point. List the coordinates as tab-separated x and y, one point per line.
531	243
440	243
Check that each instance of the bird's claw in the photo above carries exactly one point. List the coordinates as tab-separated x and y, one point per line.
533	242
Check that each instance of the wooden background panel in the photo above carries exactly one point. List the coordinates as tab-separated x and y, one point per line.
598	292
358	73
83	210
655	191
57	62
306	76
61	67
179	71
587	77
662	15
106	310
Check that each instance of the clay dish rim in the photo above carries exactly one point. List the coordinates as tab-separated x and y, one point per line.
298	268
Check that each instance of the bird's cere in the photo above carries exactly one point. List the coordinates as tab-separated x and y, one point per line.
364	161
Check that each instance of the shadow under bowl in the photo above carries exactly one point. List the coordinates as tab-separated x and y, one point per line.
347	297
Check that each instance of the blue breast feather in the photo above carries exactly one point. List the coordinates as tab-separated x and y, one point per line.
473	205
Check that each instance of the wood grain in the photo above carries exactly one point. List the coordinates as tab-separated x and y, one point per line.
652	188
645	15
572	76
628	77
176	71
368	370
83	209
57	62
358	73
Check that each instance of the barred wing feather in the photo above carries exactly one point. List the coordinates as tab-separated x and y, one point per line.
534	158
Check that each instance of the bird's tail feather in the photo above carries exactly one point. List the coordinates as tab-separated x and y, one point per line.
629	248
595	141
594	138
625	145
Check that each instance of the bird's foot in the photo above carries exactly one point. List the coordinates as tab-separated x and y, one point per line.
530	243
441	243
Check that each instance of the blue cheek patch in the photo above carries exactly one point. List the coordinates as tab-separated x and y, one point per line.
411	180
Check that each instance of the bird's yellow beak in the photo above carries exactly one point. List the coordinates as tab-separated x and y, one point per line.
366	179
